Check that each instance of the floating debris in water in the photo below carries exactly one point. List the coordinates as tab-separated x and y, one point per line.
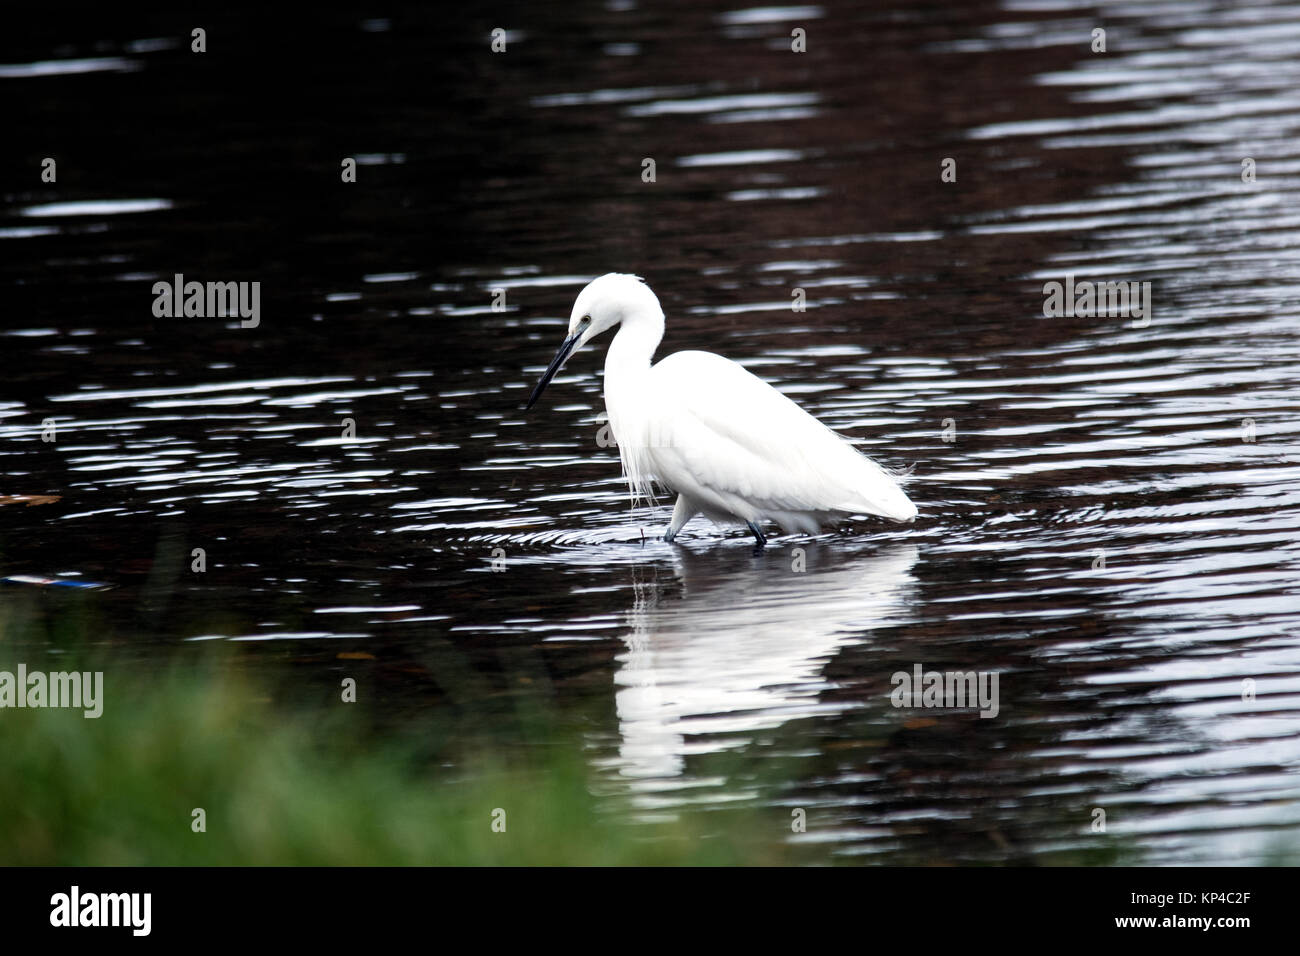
54	582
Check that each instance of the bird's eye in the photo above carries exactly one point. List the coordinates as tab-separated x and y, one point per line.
585	320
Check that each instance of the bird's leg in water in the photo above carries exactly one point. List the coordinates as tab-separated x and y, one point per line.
683	511
759	539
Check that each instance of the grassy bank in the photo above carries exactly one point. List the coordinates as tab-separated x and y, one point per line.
283	784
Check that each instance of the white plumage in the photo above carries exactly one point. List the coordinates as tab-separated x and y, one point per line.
731	446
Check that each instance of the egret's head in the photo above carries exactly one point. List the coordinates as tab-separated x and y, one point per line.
602	304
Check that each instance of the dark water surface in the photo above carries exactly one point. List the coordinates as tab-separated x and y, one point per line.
1110	520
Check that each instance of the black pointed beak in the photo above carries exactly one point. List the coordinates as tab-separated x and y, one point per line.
566	349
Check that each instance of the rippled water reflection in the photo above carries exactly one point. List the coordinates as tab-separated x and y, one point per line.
1109	511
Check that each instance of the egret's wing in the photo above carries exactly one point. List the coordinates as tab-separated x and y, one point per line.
728	439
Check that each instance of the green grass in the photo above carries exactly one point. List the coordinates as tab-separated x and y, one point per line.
302	786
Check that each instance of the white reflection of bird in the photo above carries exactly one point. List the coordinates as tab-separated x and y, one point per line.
742	646
731	446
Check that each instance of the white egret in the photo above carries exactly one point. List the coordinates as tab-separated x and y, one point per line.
731	446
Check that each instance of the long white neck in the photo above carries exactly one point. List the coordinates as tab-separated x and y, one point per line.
628	401
627	363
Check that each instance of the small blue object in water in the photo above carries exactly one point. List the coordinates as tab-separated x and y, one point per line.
53	582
